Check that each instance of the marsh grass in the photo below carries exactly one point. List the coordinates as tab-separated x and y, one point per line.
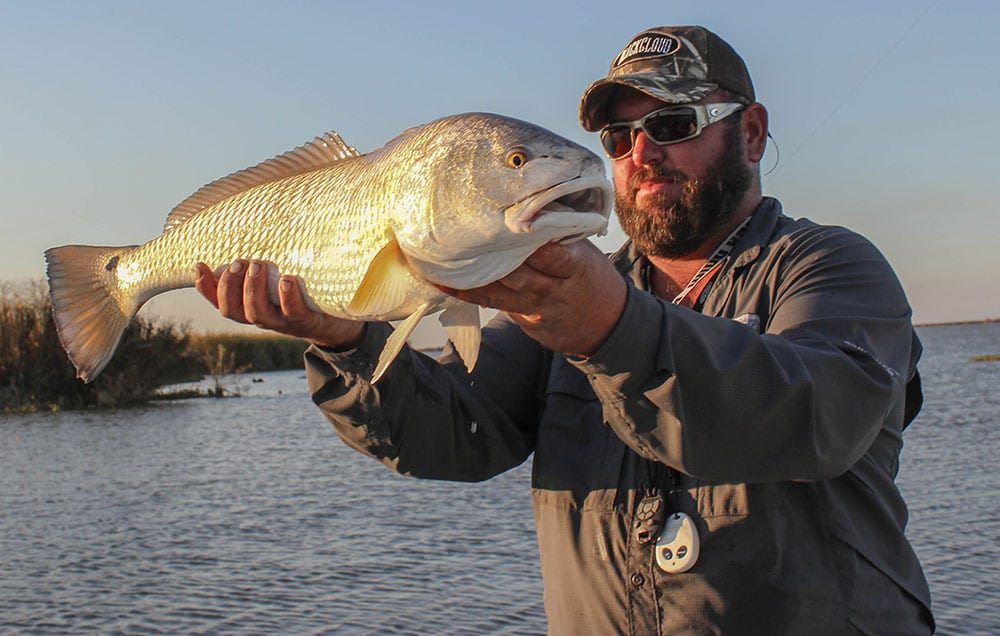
262	351
35	373
225	354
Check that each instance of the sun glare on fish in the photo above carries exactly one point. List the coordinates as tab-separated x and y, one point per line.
302	258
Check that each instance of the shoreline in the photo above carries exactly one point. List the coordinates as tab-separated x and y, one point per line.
984	321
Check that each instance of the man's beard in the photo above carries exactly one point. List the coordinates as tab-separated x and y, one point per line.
672	229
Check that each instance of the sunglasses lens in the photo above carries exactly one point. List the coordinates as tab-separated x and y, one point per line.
673	126
666	126
617	141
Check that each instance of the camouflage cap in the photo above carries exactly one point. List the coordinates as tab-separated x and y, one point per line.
679	64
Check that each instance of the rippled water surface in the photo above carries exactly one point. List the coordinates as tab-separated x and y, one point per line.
950	480
249	515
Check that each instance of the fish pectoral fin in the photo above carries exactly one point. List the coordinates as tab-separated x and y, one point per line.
461	323
394	344
385	285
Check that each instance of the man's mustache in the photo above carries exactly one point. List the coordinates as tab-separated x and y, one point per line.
647	173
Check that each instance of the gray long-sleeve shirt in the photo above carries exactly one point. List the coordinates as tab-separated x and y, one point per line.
779	409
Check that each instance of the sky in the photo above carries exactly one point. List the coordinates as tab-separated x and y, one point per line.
884	112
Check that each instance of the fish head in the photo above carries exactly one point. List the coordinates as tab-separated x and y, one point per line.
500	189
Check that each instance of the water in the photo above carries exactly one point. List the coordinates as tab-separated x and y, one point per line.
949	477
249	515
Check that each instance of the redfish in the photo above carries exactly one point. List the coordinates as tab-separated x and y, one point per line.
460	202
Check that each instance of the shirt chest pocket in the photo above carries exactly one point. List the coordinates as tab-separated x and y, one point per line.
576	451
728	503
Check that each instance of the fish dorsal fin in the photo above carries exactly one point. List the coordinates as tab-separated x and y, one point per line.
321	152
461	323
385	285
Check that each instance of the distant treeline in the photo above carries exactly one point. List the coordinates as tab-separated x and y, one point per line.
36	374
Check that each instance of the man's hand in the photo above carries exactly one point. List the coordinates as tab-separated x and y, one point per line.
567	297
240	294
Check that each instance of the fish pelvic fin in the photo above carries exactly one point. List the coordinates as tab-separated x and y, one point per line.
385	285
395	343
89	308
461	323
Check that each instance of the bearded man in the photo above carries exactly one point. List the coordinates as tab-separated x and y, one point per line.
715	413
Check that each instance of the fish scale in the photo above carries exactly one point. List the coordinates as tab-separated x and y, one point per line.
366	235
283	223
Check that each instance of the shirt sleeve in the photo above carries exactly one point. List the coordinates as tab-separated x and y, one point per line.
803	400
430	418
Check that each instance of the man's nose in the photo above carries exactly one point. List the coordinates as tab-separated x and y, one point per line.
644	151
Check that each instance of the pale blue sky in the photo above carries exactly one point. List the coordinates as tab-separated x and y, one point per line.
885	112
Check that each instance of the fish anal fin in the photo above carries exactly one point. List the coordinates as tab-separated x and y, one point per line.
394	344
321	152
385	286
461	323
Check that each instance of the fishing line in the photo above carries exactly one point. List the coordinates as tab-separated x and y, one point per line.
857	86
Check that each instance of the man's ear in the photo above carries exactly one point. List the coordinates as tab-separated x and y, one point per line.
754	123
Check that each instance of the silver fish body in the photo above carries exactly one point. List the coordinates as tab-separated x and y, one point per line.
461	201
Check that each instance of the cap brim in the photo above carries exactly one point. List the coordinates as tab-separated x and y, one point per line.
670	89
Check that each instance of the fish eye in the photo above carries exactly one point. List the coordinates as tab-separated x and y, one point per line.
516	158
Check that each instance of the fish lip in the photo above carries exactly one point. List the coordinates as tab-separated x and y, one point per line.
595	190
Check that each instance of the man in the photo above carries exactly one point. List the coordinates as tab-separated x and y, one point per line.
715	413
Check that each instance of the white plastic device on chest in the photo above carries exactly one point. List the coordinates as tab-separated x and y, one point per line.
678	546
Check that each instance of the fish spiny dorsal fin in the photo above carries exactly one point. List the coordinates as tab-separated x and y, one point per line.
321	152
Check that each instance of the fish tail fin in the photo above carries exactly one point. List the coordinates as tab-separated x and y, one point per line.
90	308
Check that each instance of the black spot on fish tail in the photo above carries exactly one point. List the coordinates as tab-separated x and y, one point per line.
112	264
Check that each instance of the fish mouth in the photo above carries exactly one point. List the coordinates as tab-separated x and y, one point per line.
580	206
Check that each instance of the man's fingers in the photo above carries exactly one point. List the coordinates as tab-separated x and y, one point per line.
240	292
257	306
522	279
484	296
501	296
206	284
302	321
230	292
560	261
293	303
